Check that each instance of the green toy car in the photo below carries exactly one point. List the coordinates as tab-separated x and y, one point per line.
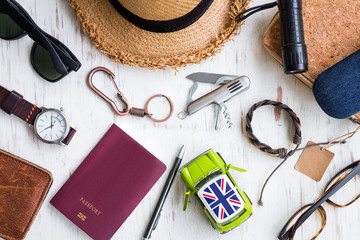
208	179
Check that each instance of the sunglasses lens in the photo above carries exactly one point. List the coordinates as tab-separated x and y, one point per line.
8	28
43	64
346	195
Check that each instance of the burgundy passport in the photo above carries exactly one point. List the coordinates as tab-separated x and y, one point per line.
108	184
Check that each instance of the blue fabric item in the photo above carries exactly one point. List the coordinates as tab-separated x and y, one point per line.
337	89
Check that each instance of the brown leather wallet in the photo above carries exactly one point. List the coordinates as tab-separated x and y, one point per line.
23	188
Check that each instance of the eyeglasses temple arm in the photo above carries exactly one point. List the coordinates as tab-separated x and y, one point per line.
321	200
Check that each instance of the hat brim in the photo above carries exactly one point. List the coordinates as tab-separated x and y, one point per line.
130	45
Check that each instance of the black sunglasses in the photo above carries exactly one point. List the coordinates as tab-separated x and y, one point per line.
50	58
337	182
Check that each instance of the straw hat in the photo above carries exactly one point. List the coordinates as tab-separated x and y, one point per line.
159	33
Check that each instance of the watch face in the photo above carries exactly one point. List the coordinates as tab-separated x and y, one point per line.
51	125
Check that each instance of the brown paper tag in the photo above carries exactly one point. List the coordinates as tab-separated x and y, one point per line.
314	161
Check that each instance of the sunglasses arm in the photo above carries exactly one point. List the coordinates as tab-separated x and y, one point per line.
71	61
34	34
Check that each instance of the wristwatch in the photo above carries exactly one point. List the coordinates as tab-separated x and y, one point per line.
50	125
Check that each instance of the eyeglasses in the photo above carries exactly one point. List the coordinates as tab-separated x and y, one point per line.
50	58
337	182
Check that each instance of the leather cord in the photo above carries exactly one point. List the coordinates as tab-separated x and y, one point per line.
289	154
281	152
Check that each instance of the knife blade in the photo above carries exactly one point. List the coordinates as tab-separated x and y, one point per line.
211	77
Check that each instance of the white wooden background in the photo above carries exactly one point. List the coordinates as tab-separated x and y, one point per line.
287	191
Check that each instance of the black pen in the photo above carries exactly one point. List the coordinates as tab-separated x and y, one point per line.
169	181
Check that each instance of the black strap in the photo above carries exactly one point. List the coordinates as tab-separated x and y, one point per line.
242	16
171	25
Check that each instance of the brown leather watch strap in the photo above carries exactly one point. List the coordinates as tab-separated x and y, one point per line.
13	103
68	138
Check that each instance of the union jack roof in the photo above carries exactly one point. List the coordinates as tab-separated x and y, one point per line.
221	198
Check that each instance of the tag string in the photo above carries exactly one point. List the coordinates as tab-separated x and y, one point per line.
283	152
291	152
277	152
347	136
